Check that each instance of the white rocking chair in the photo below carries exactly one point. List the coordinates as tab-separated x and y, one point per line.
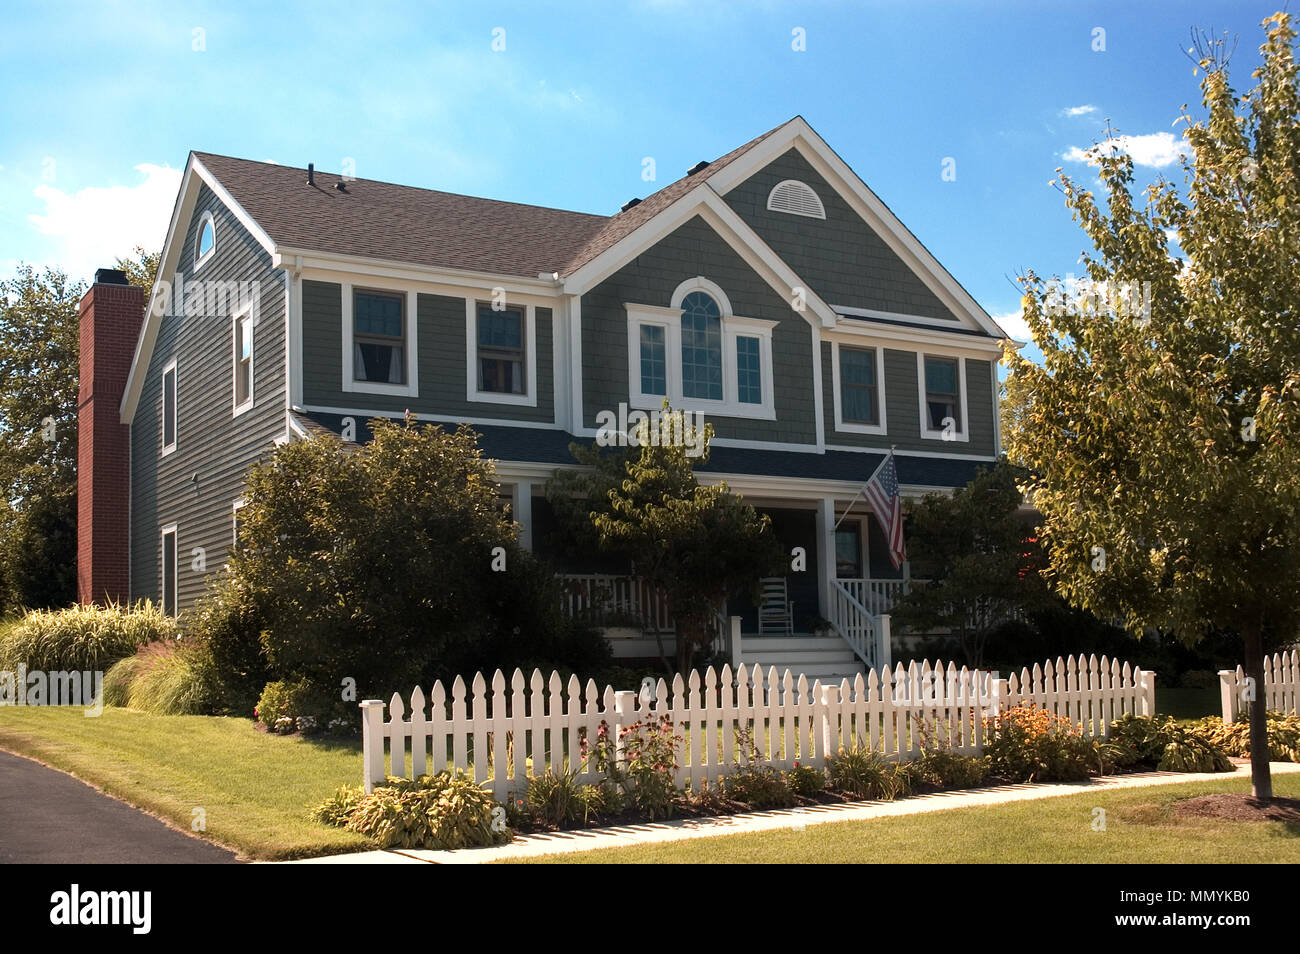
775	609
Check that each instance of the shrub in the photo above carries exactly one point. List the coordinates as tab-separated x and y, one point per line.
1165	745
1234	738
806	781
865	773
599	801
228	623
297	704
165	678
1029	744
1140	740
941	768
1190	753
553	798
338	808
758	786
442	811
646	768
85	638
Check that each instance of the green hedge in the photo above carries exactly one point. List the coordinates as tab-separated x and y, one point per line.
81	637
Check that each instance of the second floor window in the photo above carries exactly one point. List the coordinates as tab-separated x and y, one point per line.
169	408
379	337
701	347
654	360
501	357
243	362
859	399
941	393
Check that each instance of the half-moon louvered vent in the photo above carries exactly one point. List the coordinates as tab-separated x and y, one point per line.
797	198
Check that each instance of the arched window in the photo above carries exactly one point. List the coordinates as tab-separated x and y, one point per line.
207	240
701	347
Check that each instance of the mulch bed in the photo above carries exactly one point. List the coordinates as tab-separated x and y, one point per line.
1239	808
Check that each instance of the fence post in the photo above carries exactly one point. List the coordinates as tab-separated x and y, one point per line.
1000	695
886	643
624	707
737	656
372	743
1228	696
1148	697
828	725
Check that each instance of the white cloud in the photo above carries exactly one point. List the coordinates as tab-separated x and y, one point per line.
1078	110
1014	324
1155	150
92	227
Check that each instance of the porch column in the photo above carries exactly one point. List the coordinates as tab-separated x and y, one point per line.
521	508
825	555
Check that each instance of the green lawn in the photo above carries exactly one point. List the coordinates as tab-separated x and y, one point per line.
1139	829
256	789
1188	704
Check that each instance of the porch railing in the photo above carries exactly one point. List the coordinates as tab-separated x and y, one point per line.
866	633
877	596
604	598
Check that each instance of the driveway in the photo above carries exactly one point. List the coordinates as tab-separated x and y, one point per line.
47	817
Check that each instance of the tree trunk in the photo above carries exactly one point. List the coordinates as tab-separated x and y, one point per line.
1261	781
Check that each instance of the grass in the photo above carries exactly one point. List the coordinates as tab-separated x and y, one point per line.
1138	829
256	789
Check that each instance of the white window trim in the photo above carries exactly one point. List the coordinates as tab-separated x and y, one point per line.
162	570
856	427
927	432
236	505
240	407
410	322
733	326
472	393
201	260
808	215
170	366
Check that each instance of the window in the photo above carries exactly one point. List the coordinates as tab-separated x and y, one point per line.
796	198
858	386
701	347
848	551
654	360
206	243
501	358
379	338
700	355
941	390
242	358
169	408
167	576
237	506
941	393
749	370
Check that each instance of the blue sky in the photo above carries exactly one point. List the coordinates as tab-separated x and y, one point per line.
103	102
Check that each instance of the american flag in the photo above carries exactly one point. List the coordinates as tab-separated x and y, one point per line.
881	492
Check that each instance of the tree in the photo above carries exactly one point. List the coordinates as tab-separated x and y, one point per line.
142	269
381	562
699	544
39	348
1161	429
975	550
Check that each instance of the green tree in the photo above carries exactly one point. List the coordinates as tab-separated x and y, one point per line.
975	551
699	544
39	347
1161	428
141	269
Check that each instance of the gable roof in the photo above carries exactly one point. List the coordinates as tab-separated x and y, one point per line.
420	226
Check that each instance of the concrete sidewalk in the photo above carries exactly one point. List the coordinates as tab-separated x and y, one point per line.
551	843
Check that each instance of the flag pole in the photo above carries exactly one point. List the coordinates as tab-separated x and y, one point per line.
859	493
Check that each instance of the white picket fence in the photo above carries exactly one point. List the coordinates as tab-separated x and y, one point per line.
1281	686
503	735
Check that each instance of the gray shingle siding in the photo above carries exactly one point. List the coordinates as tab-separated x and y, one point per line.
843	260
442	371
694	250
902	408
211	442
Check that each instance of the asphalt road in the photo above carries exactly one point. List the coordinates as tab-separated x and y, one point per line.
47	817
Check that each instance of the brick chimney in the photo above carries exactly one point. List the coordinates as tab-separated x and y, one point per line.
111	314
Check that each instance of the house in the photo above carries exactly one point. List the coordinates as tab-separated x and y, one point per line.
769	289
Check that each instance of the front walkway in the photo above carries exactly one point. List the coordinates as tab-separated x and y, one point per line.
551	843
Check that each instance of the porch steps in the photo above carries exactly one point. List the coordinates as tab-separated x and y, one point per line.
817	657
